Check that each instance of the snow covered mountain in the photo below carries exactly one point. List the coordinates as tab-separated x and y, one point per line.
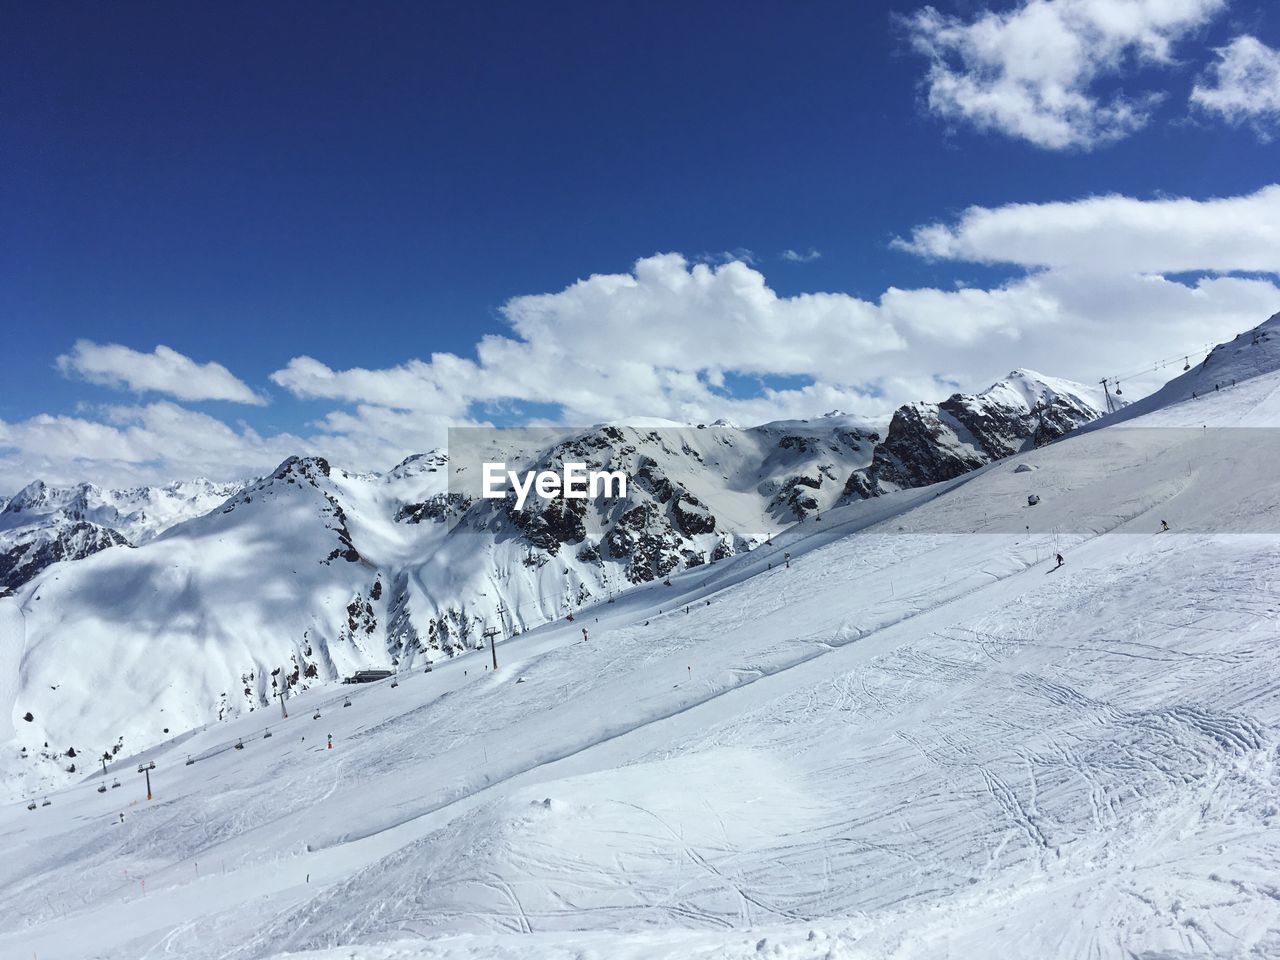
917	739
27	550
310	573
44	524
928	442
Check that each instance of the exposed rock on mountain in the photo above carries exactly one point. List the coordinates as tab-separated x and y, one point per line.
313	572
26	551
927	443
44	524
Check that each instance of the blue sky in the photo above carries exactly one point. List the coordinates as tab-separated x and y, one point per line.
313	196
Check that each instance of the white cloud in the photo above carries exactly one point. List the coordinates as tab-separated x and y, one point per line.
415	385
658	341
164	370
1244	85
1115	234
1103	292
655	340
122	445
795	256
1031	72
739	254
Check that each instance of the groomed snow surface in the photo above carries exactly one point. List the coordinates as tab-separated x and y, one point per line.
905	744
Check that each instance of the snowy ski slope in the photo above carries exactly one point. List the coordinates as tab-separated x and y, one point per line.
916	740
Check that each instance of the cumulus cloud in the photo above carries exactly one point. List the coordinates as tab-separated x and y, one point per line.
1032	72
1243	86
674	339
164	370
128	445
123	445
414	385
661	339
657	339
1115	234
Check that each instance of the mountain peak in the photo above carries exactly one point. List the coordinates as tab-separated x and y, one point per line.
1031	389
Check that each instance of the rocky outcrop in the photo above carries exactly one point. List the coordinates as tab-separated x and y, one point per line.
43	524
928	443
26	552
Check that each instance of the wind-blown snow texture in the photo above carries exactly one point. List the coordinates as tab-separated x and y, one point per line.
903	744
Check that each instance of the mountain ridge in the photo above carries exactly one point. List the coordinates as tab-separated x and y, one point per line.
312	572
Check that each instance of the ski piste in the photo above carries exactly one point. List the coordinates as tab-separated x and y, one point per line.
907	744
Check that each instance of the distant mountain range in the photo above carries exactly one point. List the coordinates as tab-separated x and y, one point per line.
42	524
197	601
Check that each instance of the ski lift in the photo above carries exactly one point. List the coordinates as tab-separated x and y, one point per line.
346	702
394	684
1186	364
114	784
102	788
31	805
189	762
316	715
47	802
1119	392
240	744
266	735
1033	499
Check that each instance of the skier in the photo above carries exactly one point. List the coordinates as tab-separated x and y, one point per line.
1164	525
585	638
1060	560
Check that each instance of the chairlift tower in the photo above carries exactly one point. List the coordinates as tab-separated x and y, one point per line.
489	634
1106	390
146	768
